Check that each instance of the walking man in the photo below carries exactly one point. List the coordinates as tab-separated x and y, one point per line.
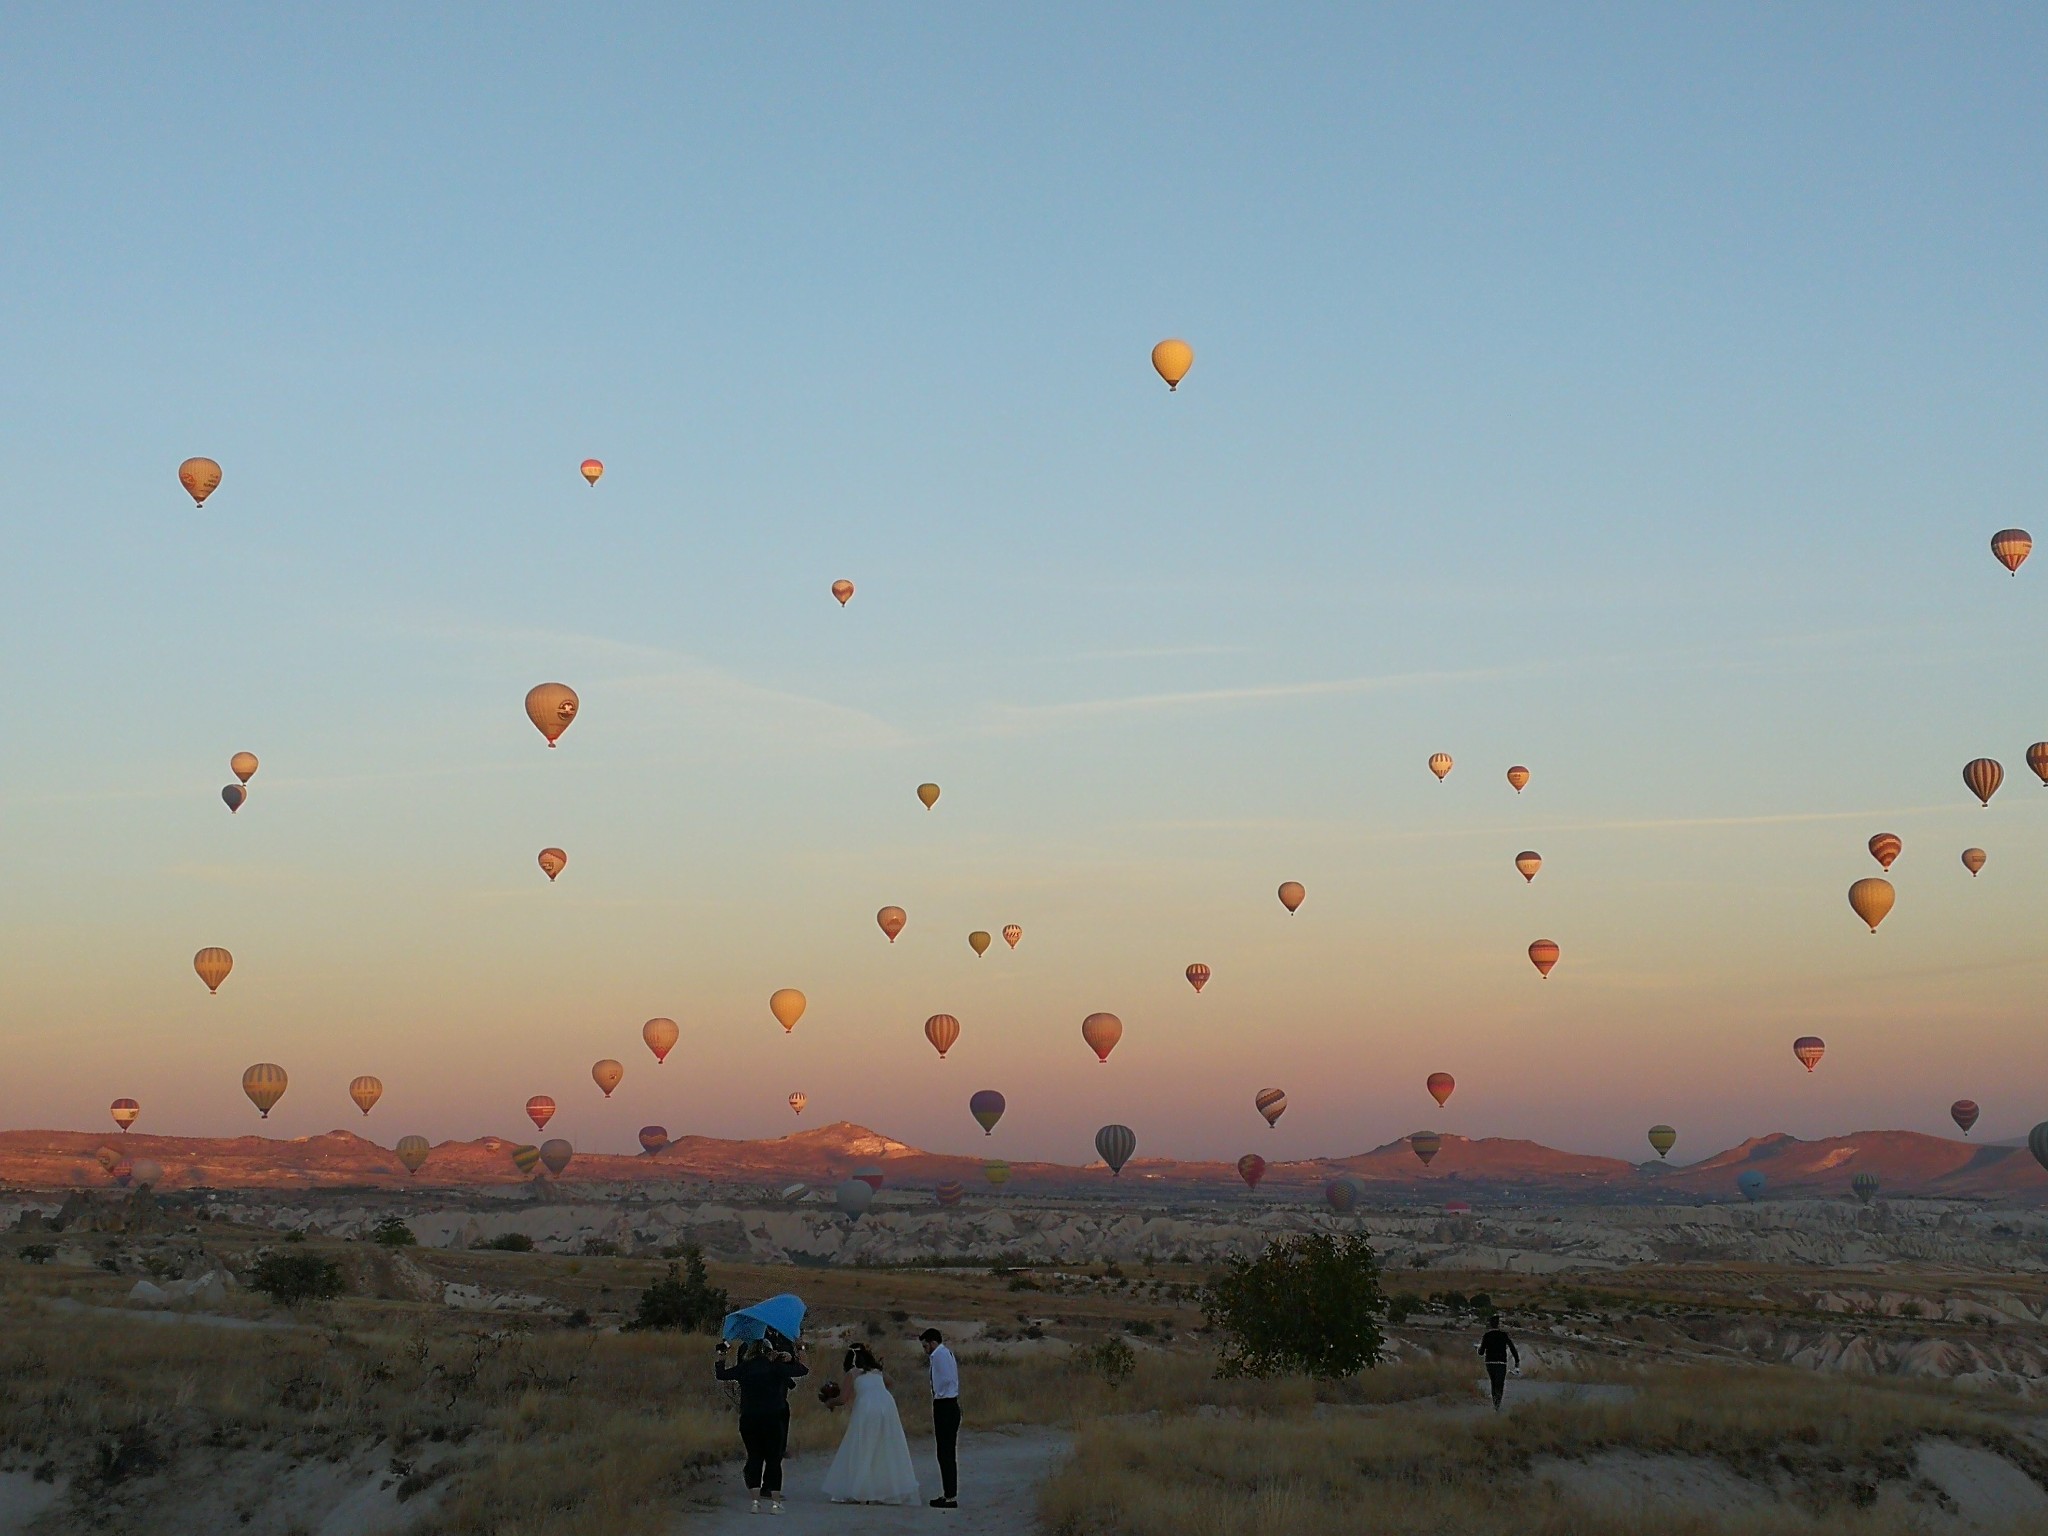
1495	1348
945	1414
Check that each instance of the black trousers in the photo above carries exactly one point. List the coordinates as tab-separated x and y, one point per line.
766	1437
1498	1371
946	1430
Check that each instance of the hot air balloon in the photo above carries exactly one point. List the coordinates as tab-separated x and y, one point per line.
201	477
1440	1086
1011	934
942	1029
1172	359
1519	777
1751	1183
555	1154
1114	1144
797	1101
593	470
653	1138
265	1084
233	796
978	941
948	1193
794	1192
1964	1112
213	965
1198	977
366	1091
552	862
1543	955
526	1158
891	921
1871	899
1292	894
1440	765
1528	861
551	706
997	1172
540	1109
1457	1208
1102	1031
243	766
1272	1103
1251	1168
412	1151
853	1197
788	1006
1983	775
843	590
1865	1187
929	794
2037	1143
1663	1138
987	1107
122	1173
124	1112
607	1074
1885	847
870	1176
2037	759
147	1173
1973	860
1426	1145
2010	545
1342	1194
661	1036
107	1158
1809	1049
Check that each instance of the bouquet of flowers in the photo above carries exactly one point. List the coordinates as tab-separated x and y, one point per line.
829	1394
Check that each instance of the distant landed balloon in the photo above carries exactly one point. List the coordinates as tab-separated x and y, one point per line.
1809	1049
607	1074
1272	1103
107	1158
1543	955
201	477
978	941
243	766
853	1197
124	1112
526	1158
234	797
1885	847
870	1176
1983	775
1342	1194
1751	1183
1519	777
1251	1168
2010	545
1973	860
843	590
996	1172
555	1154
2037	1143
1865	1186
797	1101
147	1173
2037	759
795	1192
1198	977
942	1029
1426	1145
1102	1031
1011	934
1457	1208
1964	1112
1440	765
653	1138
948	1193
1114	1144
213	965
412	1151
1527	862
1441	1086
593	470
891	920
1172	359
987	1107
788	1006
551	706
265	1084
366	1091
1871	899
552	862
929	794
661	1036
1663	1138
540	1109
1292	894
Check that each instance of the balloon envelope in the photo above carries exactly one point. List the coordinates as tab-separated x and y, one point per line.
124	1112
540	1109
1663	1138
1441	1085
1114	1144
107	1158
1809	1049
1964	1112
1172	359
987	1107
1865	1186
870	1176
1102	1031
607	1074
412	1151
233	796
555	1154
1198	977
661	1036
1270	1102
653	1138
797	1101
843	590
2010	545
264	1083
1973	860
1011	934
147	1173
929	794
243	766
996	1172
1426	1145
592	470
526	1158
1528	861
1543	955
2037	759
551	706
1342	1194
1983	775
201	477
366	1091
891	920
788	1006
1251	1168
552	862
1519	777
853	1197
2037	1143
1751	1183
942	1029
1292	894
948	1193
1871	899
213	965
978	941
1885	847
1440	765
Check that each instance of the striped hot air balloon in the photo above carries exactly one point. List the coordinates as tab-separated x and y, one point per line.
1885	847
213	964
870	1176
124	1112
987	1107
1527	862
2012	546
526	1158
1864	1186
1272	1103
1114	1144
1198	977
942	1029
1983	775
2037	759
412	1151
1011	934
592	471
1251	1168
1342	1194
797	1101
653	1138
1426	1145
1663	1138
1441	1085
1440	765
1809	1049
1543	954
540	1109
366	1091
948	1193
265	1084
1964	1112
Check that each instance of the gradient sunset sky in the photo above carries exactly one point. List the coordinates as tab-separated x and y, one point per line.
1627	392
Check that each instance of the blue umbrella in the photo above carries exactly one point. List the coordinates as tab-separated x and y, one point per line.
782	1314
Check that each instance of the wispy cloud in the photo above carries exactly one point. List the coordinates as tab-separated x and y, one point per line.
1015	719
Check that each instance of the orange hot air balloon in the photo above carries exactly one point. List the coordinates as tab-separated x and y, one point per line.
551	706
1102	1031
1519	777
124	1112
1528	861
1964	1113
412	1151
1440	1085
1292	894
1809	1049
661	1036
593	470
2037	759
891	920
1172	359
366	1091
265	1084
788	1006
607	1074
2010	545
243	766
843	590
1251	1168
1543	955
552	862
1983	775
213	965
1440	765
201	477
540	1109
1272	1103
1871	899
942	1029
1198	977
797	1101
1011	934
1884	848
929	794
979	942
1973	860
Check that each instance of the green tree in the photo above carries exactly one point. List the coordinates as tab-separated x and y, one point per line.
683	1298
392	1232
290	1278
1310	1304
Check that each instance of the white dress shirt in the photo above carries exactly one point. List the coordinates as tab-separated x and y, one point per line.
945	1373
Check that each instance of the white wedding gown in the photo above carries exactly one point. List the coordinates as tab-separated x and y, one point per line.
873	1464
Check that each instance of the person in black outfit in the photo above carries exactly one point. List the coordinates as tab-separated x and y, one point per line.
1495	1348
765	1375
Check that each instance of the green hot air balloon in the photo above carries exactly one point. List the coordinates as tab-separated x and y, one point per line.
1865	1187
1663	1138
526	1158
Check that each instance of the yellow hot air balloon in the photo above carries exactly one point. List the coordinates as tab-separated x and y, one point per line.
978	941
1172	359
1102	1031
125	1112
660	1035
213	965
1272	1103
551	706
1528	861
1011	934
929	794
552	862
1983	775
201	477
526	1158
265	1084
108	1158
607	1074
1871	899
891	920
412	1151
1973	860
1425	1145
243	766
366	1091
1543	955
788	1006
797	1101
1519	777
1885	847
1663	1138
1292	894
593	470
843	590
942	1029
2037	759
996	1172
1198	977
2010	545
1440	765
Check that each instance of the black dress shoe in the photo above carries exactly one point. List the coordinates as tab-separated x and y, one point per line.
945	1503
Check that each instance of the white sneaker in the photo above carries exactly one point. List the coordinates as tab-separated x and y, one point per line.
757	1507
775	1508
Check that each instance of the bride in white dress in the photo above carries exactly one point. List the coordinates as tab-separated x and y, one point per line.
873	1464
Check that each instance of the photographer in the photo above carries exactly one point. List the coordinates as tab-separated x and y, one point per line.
766	1371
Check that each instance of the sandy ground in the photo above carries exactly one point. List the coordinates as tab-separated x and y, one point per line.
1000	1471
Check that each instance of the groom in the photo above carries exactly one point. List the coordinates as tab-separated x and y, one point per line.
945	1413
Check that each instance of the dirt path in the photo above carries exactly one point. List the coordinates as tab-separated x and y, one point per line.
1000	1471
